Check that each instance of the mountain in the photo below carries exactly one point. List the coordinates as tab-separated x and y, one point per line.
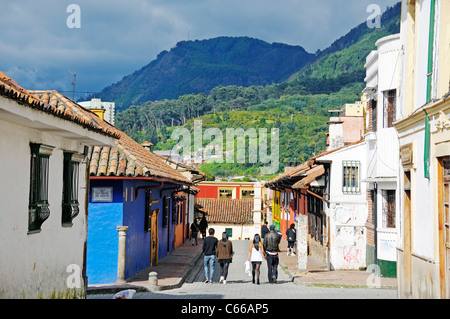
199	66
298	107
347	55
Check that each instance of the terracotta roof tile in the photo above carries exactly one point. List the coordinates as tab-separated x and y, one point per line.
292	172
126	158
311	176
227	211
51	103
129	159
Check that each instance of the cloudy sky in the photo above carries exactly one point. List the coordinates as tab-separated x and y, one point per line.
40	50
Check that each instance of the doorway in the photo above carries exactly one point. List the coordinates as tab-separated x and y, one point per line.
154	237
407	235
444	224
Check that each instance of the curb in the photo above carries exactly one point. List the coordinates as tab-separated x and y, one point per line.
116	288
180	281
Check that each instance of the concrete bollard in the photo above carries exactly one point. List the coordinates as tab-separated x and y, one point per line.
153	279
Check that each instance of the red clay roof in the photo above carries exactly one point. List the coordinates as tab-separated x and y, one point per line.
227	211
129	159
126	159
311	176
57	106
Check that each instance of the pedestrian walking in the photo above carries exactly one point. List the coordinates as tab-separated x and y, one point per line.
194	232
255	256
203	226
264	229
209	249
224	256
271	247
291	236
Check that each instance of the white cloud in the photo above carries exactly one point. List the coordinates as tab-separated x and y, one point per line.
119	37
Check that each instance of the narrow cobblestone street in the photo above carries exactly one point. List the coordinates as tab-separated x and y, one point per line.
239	286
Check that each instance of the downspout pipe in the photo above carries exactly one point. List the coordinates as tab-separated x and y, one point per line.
431	49
375	205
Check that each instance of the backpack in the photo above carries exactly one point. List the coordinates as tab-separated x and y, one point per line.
290	235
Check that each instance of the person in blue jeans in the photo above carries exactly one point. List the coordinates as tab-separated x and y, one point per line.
209	249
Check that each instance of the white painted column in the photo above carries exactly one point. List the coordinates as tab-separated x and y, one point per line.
302	242
257	208
122	252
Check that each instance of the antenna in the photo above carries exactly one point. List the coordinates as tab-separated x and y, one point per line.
74	81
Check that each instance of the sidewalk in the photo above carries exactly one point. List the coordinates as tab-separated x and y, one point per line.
172	271
317	274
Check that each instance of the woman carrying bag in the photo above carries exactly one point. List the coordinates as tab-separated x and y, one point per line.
255	256
224	256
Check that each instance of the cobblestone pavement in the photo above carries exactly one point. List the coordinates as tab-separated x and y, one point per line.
239	286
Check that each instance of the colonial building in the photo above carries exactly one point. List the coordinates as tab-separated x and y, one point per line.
423	125
234	216
346	205
298	199
195	176
382	67
226	190
137	199
325	196
234	207
44	141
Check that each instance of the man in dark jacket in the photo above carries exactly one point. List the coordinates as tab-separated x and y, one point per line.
209	250
203	226
271	247
291	237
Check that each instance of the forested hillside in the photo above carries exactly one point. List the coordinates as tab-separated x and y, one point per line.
298	107
193	67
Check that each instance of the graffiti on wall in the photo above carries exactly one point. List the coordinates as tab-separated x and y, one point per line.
351	255
349	215
349	240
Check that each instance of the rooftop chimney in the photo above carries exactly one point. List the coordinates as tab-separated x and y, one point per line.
147	145
336	131
99	112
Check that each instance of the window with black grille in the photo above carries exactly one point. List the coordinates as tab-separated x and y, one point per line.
70	205
38	206
389	108
389	208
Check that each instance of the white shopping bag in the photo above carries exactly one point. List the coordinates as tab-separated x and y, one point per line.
125	294
248	268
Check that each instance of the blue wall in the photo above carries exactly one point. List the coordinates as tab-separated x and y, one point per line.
103	219
103	237
138	240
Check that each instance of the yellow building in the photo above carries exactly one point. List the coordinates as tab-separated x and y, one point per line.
423	126
354	109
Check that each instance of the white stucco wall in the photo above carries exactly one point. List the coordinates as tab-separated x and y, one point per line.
240	232
35	265
348	212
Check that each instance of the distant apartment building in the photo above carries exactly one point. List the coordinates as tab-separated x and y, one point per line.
107	108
